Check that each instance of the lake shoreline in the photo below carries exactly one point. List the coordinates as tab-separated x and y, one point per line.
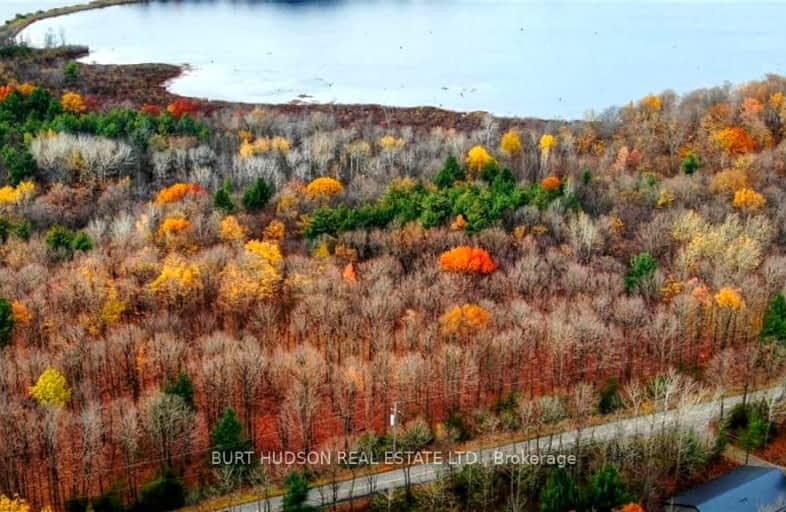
156	77
140	84
13	27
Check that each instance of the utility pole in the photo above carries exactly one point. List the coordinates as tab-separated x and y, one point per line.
393	421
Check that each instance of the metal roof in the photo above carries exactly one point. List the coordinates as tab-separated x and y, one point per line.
746	489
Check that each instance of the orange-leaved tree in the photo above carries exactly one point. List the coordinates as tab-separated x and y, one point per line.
734	140
650	103
472	260
173	226
550	183
630	507
178	191
181	107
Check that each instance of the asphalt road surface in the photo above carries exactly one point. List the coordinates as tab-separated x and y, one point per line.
696	417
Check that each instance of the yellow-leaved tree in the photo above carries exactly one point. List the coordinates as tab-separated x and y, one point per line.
230	230
391	142
650	103
72	102
19	194
748	200
511	144
255	276
477	157
13	504
178	280
728	298
324	187
547	141
51	389
464	320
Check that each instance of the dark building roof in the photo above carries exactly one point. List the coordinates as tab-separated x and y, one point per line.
746	489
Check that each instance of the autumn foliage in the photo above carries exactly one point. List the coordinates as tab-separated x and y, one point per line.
749	200
73	102
466	259
151	109
630	507
391	142
496	299
324	187
547	142
181	107
477	157
51	389
13	504
464	320
735	140
511	143
250	147
177	192
550	183
18	194
728	298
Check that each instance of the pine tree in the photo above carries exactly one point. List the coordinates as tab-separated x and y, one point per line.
774	324
257	196
227	435
6	322
183	387
223	198
606	490
450	173
560	493
294	499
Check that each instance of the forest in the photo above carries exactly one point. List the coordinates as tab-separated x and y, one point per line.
178	278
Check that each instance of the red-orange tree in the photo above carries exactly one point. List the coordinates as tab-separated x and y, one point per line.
473	260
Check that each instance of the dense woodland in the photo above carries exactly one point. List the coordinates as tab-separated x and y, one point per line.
162	264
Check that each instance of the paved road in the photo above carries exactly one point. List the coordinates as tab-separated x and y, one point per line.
696	417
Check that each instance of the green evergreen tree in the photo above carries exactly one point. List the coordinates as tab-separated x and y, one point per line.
560	492
227	438
5	228
774	324
183	387
6	322
163	493
606	490
691	163
610	399
296	493
450	173
256	197
71	71
22	229
82	242
19	164
755	434
642	269
223	198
